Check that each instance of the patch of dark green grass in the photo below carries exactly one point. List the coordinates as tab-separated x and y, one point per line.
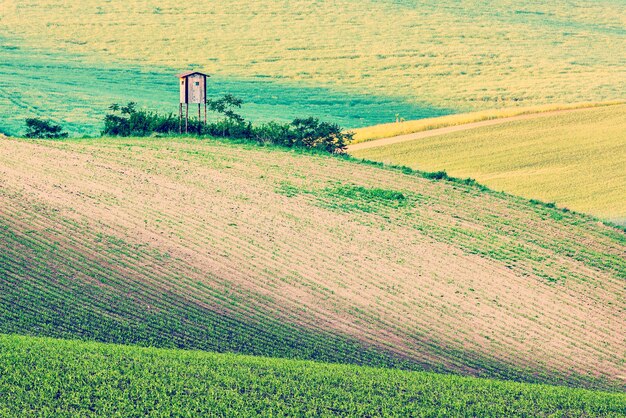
369	194
349	198
288	189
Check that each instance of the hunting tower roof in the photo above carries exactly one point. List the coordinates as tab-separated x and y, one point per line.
188	73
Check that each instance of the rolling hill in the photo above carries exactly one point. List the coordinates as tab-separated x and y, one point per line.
113	380
355	62
202	244
448	265
576	158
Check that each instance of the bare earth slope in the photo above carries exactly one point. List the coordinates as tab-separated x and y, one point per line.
438	274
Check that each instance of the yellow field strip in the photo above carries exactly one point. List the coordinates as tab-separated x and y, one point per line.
460	122
576	159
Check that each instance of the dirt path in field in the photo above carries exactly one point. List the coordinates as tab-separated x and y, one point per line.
456	128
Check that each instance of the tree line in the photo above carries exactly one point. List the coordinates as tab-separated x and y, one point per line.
129	120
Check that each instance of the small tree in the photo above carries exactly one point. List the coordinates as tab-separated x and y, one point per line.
117	125
312	133
38	128
226	106
127	120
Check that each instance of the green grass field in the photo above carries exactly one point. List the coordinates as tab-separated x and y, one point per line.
76	93
47	377
415	59
577	160
186	243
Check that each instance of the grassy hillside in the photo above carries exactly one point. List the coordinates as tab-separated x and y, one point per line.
439	56
76	91
88	379
577	159
225	247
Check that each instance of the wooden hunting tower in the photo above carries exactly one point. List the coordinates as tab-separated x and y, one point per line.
192	90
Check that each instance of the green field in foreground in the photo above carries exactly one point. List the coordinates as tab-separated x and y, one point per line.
61	378
577	159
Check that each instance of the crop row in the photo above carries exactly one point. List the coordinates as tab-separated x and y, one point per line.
47	377
61	289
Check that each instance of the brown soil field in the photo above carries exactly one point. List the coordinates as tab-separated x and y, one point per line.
435	272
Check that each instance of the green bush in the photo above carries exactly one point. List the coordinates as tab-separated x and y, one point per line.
437	175
274	133
129	121
312	133
39	128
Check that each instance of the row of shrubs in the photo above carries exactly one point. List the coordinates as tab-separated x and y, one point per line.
128	120
302	132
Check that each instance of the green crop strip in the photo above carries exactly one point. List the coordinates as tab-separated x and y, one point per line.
47	377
